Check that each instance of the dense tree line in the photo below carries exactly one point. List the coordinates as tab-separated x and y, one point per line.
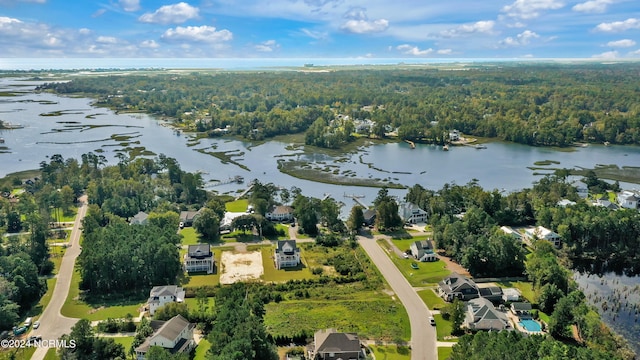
83	344
537	104
238	331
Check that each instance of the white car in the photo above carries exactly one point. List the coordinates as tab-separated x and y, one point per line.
432	321
405	255
36	324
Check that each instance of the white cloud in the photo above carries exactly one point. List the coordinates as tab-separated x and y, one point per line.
624	43
130	5
171	14
592	6
365	26
267	46
618	26
318	35
205	34
530	9
413	50
106	40
607	55
444	52
523	38
150	44
477	27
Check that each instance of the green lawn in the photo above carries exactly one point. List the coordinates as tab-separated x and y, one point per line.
443	328
275	275
431	299
17	353
377	317
526	289
403	244
201	349
237	206
392	352
428	273
204	279
444	353
126	341
190	236
51	354
76	308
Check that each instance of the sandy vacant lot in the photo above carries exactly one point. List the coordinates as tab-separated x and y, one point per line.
240	266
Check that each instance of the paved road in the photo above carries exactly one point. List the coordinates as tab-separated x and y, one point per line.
52	323
423	335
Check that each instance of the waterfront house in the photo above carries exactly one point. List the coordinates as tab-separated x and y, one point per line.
482	315
412	214
369	217
457	286
188	217
280	213
161	295
454	135
287	254
199	258
542	233
332	345
174	335
628	199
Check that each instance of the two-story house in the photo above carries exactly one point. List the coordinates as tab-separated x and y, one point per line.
412	213
199	258
457	286
332	345
542	233
175	335
161	295
280	213
423	251
287	254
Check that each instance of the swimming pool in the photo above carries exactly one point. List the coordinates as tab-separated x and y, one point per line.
531	325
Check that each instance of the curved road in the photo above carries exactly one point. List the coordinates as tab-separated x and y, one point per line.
52	323
423	335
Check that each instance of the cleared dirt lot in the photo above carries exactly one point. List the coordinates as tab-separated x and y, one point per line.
240	266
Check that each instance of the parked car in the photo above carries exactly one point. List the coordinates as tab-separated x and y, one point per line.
181	225
19	330
36	324
432	321
405	255
27	322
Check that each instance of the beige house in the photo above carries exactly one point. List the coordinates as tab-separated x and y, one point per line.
175	335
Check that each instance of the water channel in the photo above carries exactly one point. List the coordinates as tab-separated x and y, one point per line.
71	127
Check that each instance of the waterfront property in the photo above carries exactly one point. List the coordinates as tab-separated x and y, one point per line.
280	213
175	335
628	199
199	258
287	254
332	345
412	214
188	217
161	295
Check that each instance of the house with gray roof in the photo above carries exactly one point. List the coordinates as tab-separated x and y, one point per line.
456	286
161	295
332	345
199	258
139	219
175	335
412	213
280	213
188	217
423	250
287	254
482	315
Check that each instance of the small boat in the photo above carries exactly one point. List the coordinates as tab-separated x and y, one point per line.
606	143
1	140
445	147
480	146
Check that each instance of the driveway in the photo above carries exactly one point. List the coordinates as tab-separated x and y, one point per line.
423	335
52	323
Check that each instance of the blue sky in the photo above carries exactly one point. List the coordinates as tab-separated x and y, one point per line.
605	29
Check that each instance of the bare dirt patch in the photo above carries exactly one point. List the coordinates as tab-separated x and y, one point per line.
241	266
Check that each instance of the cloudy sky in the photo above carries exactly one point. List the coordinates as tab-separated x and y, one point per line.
320	28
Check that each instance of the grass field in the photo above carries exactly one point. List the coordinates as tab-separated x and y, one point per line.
201	350
203	279
76	308
51	355
391	352
275	275
126	341
190	236
526	289
431	299
428	273
443	328
237	206
377	317
444	353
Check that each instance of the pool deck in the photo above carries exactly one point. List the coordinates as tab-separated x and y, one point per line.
515	321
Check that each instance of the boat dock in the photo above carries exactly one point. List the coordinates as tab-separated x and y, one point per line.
411	144
357	198
236	179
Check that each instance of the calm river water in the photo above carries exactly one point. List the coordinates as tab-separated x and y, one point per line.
79	128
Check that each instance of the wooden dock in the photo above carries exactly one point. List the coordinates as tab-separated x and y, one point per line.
357	198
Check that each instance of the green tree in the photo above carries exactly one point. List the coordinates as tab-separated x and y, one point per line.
207	224
356	219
